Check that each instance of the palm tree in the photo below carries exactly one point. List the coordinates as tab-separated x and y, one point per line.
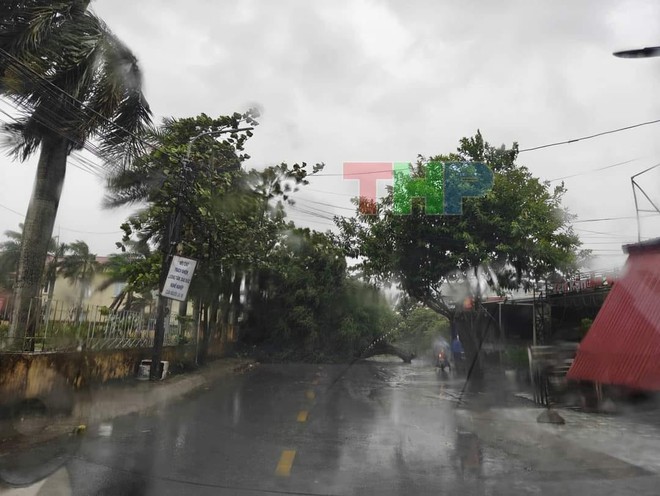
10	251
79	267
121	268
74	80
56	253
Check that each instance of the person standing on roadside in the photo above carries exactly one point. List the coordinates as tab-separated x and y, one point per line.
457	351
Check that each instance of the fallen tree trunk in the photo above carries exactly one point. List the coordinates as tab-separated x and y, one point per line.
382	348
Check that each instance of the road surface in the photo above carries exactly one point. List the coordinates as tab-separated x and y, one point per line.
374	428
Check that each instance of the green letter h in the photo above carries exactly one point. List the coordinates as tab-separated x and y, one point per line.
430	188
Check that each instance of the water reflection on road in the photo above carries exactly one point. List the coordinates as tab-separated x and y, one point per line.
372	428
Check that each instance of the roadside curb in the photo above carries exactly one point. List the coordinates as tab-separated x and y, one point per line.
107	402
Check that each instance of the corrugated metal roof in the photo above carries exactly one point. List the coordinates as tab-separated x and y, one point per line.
623	345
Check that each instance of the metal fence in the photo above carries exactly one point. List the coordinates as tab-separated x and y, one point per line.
63	327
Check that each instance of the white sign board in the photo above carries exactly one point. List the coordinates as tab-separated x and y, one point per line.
178	278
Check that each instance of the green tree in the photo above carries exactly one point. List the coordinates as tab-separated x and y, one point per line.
10	252
305	307
80	266
56	253
420	327
129	268
215	208
517	232
75	81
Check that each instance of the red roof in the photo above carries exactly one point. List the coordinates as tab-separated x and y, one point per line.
623	345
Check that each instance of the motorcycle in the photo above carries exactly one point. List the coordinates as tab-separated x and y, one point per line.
442	361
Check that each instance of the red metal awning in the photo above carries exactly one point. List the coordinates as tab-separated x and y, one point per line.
623	345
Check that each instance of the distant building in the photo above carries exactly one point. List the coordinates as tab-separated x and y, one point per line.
67	293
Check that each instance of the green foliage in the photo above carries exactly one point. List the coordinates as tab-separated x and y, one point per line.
10	251
66	45
231	221
512	236
80	265
585	325
305	307
419	328
73	81
516	357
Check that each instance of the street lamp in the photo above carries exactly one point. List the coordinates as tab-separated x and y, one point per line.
173	235
639	53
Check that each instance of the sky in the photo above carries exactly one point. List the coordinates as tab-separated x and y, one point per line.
384	81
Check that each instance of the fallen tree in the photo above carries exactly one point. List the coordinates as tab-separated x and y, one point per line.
383	348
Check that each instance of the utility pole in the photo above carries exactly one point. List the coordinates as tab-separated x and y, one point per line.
174	228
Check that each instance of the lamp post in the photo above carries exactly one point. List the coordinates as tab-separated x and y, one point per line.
173	238
638	53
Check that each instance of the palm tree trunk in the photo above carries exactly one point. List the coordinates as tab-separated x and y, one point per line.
37	232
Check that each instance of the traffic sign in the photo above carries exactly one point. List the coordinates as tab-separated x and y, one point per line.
179	278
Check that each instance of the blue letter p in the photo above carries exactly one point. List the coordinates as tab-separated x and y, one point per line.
462	180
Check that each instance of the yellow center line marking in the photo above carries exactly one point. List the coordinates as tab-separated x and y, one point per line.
302	415
286	462
310	395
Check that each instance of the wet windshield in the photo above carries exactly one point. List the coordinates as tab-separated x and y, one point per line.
329	248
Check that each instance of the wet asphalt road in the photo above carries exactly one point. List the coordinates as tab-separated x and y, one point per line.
371	429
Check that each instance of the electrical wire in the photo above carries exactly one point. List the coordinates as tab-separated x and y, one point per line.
592	170
325	212
584	138
88	166
12	210
309	212
63	228
611	234
323	203
604	219
68	95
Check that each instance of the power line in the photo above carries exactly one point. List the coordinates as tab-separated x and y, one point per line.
12	210
330	192
603	133
323	203
598	169
611	234
68	95
89	232
601	243
63	228
604	219
593	170
598	219
310	212
89	167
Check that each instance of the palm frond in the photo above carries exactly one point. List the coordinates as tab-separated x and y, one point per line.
62	65
120	99
20	139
